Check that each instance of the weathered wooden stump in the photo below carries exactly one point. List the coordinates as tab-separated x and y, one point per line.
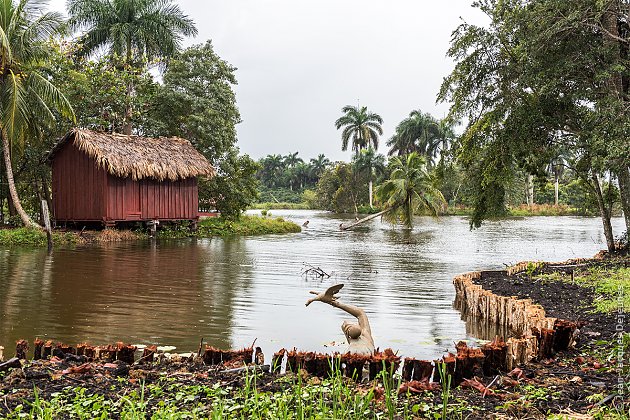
21	349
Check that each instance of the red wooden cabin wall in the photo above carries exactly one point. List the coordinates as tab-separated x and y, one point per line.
78	186
84	192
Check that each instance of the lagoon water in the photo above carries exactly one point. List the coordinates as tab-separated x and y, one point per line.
233	291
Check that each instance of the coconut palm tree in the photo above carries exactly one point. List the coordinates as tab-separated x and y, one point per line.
27	98
416	133
360	126
408	189
372	163
136	31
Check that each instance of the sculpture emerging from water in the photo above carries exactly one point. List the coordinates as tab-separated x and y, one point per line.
359	335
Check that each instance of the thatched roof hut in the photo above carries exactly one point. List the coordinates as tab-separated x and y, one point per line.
139	157
114	178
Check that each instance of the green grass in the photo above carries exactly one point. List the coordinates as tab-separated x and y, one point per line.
280	206
33	237
291	397
612	286
544	210
246	225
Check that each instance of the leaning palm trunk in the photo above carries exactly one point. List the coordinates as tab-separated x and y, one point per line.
366	219
12	191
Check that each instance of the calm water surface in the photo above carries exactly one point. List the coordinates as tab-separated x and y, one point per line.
237	290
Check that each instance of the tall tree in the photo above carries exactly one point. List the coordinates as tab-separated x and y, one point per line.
197	102
133	31
416	133
319	164
292	159
360	126
409	189
27	98
536	79
372	164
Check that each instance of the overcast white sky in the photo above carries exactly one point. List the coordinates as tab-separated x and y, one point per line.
299	62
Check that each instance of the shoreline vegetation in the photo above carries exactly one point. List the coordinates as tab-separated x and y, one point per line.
517	211
246	225
581	382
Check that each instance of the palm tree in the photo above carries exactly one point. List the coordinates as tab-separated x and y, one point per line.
137	31
416	133
408	189
372	163
319	165
292	159
360	125
27	98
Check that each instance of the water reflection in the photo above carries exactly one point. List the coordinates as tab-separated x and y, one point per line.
236	290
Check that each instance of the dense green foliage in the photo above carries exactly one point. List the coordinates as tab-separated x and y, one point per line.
408	190
29	236
290	172
27	98
544	83
222	226
194	100
290	397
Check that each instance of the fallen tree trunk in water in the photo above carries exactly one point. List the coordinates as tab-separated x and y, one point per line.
365	219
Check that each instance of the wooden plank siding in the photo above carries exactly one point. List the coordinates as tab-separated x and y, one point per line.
84	192
78	186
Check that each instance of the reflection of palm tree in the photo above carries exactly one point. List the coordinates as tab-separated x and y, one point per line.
27	98
372	163
408	189
360	125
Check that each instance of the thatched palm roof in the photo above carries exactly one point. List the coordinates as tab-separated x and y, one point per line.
138	157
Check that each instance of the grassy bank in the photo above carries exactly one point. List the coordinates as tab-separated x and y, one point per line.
244	397
246	225
280	206
611	285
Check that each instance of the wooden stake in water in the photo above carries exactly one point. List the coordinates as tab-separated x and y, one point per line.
46	217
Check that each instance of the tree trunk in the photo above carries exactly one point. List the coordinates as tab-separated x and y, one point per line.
605	214
556	190
12	191
529	185
365	219
370	187
610	21
127	126
623	176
